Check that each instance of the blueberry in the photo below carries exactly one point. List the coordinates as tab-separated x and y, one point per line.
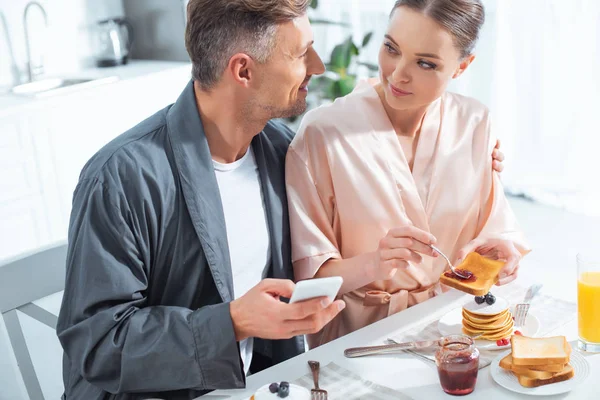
490	299
284	383
274	387
284	390
479	299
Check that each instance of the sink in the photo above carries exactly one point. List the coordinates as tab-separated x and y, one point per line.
53	86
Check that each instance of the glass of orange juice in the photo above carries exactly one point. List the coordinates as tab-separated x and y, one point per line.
588	303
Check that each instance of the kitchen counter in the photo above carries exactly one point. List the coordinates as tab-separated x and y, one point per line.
134	69
46	141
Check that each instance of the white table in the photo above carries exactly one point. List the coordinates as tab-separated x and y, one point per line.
405	372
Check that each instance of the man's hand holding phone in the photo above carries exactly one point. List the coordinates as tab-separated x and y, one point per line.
260	312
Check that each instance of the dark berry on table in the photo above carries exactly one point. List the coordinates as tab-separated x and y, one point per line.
284	391
479	299
284	383
490	299
274	387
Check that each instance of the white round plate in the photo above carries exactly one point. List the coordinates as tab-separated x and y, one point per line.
499	305
509	381
451	324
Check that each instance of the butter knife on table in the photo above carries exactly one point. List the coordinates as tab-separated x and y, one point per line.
388	348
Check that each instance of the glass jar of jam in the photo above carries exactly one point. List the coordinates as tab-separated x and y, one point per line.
457	361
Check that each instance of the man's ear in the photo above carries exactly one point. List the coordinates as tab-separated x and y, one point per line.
241	68
464	64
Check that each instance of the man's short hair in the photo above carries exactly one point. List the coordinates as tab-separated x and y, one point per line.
218	29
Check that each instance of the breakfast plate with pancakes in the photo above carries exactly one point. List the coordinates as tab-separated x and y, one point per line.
493	322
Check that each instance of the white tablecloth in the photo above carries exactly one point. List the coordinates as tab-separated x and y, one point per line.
407	373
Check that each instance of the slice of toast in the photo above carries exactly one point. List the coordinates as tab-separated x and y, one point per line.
527	381
534	376
485	270
507	364
528	351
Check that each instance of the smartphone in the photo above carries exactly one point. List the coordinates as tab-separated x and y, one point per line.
317	287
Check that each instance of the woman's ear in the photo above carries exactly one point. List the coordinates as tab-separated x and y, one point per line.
464	64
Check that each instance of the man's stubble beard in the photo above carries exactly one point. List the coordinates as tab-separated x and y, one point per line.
269	111
297	109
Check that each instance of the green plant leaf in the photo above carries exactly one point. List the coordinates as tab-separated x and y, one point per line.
323	86
346	85
327	22
321	83
314	4
331	92
367	39
341	56
342	87
335	90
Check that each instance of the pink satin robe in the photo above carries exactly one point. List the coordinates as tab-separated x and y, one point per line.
349	183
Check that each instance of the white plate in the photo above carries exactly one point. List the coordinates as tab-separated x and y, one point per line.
509	381
451	324
499	305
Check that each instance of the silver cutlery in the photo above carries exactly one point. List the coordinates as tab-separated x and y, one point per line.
454	270
394	347
474	337
389	348
317	393
522	309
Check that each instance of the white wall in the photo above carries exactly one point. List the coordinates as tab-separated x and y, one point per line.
67	38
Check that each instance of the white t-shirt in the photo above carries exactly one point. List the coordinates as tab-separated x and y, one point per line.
247	231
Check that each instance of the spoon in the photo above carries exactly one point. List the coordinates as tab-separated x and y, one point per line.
454	270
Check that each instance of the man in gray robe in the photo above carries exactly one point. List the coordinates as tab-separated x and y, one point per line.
179	247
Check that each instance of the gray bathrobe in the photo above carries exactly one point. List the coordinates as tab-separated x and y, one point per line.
145	312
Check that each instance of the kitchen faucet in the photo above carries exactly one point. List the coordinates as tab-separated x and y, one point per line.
35	68
13	63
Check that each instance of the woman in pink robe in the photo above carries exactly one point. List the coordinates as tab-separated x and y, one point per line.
376	177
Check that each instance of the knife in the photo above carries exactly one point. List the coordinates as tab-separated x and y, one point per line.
389	348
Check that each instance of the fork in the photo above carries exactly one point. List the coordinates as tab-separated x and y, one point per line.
316	393
522	309
454	270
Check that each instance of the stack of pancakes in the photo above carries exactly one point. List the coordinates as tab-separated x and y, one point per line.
494	323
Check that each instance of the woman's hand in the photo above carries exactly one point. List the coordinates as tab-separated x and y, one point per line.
496	249
399	247
497	158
